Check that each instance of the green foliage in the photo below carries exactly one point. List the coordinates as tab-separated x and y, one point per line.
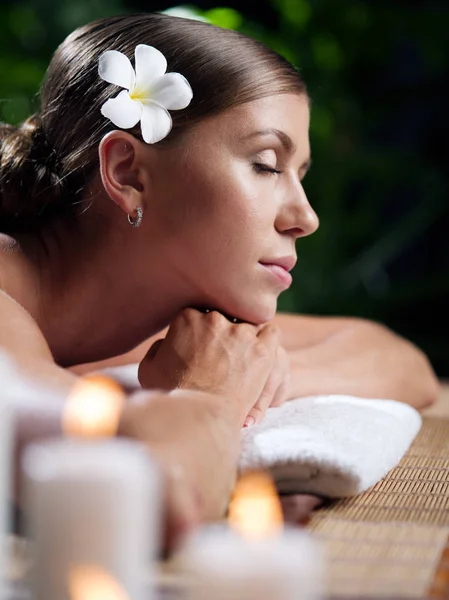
378	197
378	183
295	12
224	17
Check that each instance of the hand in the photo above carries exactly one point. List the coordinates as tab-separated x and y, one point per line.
297	508
206	352
276	390
195	438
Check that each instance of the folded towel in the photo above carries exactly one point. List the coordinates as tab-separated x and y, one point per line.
125	375
332	446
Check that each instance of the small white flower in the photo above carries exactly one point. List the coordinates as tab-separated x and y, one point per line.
149	91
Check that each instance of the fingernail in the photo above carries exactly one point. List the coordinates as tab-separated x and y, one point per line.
249	422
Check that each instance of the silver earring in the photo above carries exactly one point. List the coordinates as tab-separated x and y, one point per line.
138	220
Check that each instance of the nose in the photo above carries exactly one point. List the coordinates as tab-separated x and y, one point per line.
296	217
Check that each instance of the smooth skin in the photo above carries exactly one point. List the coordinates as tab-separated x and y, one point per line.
219	206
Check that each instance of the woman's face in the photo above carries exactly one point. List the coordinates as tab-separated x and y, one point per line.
227	204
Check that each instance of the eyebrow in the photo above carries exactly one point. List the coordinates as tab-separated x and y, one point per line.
285	140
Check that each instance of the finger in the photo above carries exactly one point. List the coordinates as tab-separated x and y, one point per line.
283	391
185	318
268	329
230	318
283	367
297	508
153	349
269	335
281	395
142	372
183	508
257	413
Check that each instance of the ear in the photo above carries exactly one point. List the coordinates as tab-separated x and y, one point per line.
121	167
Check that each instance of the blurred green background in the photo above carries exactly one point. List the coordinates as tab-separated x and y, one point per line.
375	71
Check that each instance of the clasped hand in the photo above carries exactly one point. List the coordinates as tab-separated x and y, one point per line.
209	353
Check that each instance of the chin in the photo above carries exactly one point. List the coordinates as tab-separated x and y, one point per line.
259	312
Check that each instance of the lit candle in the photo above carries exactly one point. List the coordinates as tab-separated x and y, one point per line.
92	503
255	558
93	583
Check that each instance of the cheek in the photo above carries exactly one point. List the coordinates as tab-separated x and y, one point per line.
224	205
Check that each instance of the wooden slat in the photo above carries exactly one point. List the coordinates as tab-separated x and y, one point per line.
392	541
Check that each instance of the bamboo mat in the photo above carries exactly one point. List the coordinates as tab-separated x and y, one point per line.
392	541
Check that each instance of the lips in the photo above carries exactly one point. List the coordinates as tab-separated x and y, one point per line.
285	262
279	269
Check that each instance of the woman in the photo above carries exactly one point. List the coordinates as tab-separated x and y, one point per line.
211	180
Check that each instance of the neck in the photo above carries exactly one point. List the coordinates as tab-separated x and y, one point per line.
99	296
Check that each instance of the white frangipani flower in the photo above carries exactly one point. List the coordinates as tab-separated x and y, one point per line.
149	91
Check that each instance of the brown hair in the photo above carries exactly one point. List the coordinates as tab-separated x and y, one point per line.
47	162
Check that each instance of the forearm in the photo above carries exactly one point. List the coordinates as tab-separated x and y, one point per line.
37	404
360	358
203	447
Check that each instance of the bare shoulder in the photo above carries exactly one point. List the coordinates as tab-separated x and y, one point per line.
19	332
306	330
22	340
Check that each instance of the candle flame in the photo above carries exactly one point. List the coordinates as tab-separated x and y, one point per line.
255	510
88	582
93	408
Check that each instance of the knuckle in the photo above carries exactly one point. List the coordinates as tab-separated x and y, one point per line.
272	329
257	412
215	317
189	313
186	315
261	350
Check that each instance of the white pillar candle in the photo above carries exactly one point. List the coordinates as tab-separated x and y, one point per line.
5	481
220	564
8	386
92	503
256	558
92	506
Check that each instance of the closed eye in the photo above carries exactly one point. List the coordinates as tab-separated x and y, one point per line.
261	168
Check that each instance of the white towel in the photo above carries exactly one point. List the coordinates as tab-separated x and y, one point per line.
332	446
125	375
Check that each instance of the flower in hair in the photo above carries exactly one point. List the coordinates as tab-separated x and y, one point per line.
149	91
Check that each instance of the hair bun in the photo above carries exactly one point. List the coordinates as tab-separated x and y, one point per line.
40	150
32	125
28	179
